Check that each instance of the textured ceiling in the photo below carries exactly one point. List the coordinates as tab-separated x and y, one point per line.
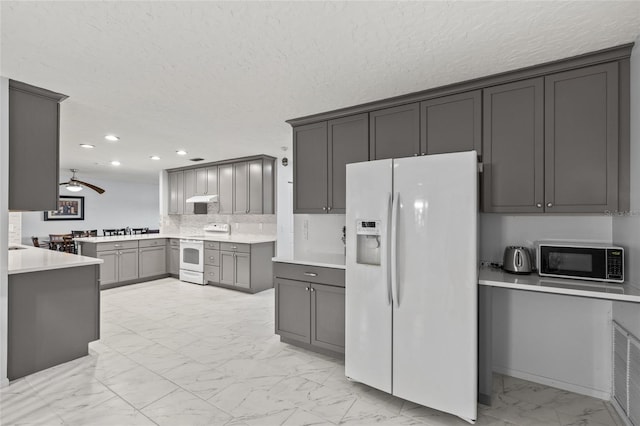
219	78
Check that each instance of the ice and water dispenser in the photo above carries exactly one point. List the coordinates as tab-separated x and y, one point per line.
368	242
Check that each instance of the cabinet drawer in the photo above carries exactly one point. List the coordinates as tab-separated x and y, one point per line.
314	274
152	243
211	274
174	242
116	245
242	248
214	245
211	257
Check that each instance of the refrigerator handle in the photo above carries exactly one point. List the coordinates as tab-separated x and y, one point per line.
394	250
388	239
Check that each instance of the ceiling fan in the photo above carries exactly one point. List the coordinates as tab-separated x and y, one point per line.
75	185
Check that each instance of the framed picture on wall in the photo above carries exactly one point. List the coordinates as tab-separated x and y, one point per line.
69	208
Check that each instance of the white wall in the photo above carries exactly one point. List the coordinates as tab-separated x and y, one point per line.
4	224
284	208
123	204
626	229
317	233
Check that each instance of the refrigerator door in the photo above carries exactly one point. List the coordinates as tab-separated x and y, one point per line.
368	296
435	315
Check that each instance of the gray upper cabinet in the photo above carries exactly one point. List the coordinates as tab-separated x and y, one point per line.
395	132
310	168
176	192
33	140
225	189
321	153
189	190
201	181
212	180
348	142
513	177
581	140
451	124
240	188
254	187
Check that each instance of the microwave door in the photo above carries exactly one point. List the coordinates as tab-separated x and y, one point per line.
574	262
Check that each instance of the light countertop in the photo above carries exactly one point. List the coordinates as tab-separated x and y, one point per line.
533	282
237	238
327	260
33	259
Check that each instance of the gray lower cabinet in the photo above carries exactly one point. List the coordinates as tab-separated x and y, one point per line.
310	313
245	267
118	266
176	192
108	269
152	261
395	132
33	140
212	262
128	264
581	140
451	124
173	255
513	176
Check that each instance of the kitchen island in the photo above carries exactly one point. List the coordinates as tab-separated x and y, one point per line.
54	308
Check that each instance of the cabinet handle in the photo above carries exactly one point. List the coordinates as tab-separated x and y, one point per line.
328	208
324	209
306	289
310	274
234	247
423	153
549	204
415	154
313	289
117	245
539	205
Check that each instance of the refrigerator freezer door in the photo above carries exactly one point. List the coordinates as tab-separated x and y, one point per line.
435	321
368	298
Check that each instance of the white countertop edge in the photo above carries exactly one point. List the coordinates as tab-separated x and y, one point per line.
39	268
308	262
237	239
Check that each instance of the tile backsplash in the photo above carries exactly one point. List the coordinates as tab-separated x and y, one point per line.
258	224
15	228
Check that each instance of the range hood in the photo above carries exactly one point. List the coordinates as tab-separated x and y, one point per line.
202	199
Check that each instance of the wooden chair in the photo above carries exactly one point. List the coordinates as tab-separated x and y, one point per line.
62	242
153	231
79	234
92	233
137	231
112	232
39	244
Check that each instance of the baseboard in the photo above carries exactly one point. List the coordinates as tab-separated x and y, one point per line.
571	387
621	412
4	382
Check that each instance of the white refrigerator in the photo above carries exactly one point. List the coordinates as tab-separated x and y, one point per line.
411	279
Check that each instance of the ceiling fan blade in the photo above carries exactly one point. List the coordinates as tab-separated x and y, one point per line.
88	185
64	183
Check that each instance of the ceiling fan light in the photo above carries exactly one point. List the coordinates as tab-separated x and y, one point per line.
73	187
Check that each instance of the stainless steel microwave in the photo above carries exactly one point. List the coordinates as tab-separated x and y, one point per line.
585	261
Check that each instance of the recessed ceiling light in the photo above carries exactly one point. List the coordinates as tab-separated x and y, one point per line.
86	145
154	157
115	163
112	138
181	152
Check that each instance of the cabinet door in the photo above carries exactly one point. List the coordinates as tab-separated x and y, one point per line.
227	267
33	141
152	261
293	310
255	187
242	270
127	264
225	186
240	188
211	274
395	132
174	260
327	317
348	141
310	168
201	180
513	176
189	190
581	140
451	124
267	187
212	180
109	269
176	192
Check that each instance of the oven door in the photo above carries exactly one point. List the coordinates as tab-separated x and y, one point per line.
587	263
192	255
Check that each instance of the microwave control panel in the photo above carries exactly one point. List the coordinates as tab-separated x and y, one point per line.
615	264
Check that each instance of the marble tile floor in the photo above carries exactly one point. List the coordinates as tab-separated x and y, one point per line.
173	353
